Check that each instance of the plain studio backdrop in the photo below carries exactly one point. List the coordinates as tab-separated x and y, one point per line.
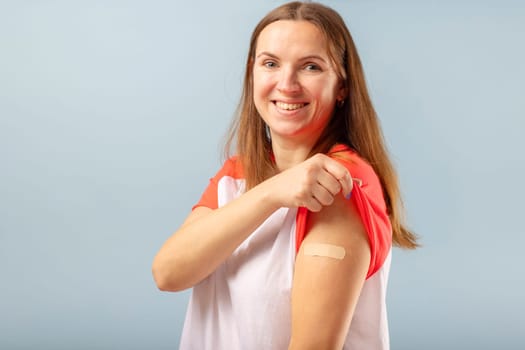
112	115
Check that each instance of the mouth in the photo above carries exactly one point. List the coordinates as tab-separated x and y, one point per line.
289	106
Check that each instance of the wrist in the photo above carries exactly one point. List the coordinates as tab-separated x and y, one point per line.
266	196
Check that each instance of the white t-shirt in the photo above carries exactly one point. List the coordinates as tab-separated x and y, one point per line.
245	304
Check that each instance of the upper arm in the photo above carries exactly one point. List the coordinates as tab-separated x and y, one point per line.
325	289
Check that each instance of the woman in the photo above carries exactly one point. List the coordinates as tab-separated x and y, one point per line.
289	246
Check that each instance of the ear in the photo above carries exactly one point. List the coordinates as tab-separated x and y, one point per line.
342	92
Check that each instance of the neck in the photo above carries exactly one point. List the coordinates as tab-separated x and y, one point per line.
289	153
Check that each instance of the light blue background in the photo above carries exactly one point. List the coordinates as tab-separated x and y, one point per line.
112	114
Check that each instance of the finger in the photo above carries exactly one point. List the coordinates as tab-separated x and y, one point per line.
341	173
347	184
329	182
322	195
312	204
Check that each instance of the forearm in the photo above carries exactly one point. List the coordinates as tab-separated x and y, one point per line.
205	241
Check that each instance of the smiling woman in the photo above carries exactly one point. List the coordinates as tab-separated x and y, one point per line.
295	84
290	244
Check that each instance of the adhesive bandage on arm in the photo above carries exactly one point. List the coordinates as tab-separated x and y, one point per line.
326	250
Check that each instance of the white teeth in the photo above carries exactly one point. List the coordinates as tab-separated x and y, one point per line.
289	106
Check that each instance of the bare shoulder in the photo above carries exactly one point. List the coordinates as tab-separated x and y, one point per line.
338	223
327	286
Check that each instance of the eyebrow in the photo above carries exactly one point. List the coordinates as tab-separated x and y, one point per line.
309	57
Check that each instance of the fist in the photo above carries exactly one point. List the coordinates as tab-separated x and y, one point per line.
313	183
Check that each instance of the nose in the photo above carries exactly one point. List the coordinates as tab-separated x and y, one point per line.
288	82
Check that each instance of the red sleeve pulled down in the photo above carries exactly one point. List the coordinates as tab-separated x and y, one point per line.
370	204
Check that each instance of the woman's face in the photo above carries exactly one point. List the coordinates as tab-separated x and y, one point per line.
295	85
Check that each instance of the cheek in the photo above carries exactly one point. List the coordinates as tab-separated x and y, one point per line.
330	94
257	94
325	97
260	91
262	82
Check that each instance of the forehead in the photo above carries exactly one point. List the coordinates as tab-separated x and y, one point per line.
292	37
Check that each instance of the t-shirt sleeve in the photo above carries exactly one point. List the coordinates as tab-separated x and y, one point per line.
367	196
209	197
369	201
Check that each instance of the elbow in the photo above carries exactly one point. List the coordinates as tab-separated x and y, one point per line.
165	278
161	279
163	283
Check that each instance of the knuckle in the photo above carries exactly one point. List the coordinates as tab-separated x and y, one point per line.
302	194
317	156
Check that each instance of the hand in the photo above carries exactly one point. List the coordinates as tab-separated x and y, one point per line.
313	183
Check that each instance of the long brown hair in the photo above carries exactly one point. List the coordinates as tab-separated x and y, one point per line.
355	123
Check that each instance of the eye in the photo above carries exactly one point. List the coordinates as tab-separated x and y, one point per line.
269	64
312	67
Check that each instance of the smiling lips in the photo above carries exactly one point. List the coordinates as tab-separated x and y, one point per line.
289	106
